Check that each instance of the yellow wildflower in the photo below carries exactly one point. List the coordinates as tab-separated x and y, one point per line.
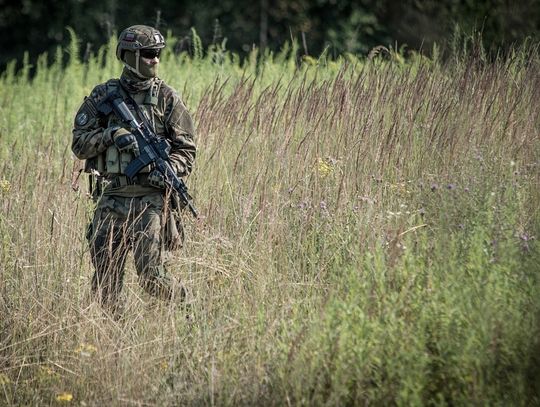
325	168
67	397
5	186
4	379
47	371
86	349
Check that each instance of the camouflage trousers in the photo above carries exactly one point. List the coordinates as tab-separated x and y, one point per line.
121	224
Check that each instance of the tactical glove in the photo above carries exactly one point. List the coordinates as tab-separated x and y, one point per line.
126	142
157	180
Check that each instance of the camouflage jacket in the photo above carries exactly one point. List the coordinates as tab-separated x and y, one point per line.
93	132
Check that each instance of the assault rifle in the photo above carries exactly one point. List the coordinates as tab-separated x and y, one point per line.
153	149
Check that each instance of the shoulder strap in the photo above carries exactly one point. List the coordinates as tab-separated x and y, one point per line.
113	86
153	92
140	112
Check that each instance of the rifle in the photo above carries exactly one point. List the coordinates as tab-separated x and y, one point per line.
153	149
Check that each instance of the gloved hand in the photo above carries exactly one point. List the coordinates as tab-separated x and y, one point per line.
157	180
126	142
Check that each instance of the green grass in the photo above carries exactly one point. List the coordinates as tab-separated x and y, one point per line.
369	235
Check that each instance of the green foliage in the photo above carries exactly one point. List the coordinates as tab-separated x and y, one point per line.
197	45
439	325
369	235
342	26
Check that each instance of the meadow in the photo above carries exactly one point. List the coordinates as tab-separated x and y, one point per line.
368	236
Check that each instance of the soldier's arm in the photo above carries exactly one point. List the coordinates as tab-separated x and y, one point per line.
181	135
90	137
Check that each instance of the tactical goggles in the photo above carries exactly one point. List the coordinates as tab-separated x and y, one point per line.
150	53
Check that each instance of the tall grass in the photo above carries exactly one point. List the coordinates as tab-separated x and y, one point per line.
369	236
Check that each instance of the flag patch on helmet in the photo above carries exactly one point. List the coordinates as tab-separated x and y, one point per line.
129	37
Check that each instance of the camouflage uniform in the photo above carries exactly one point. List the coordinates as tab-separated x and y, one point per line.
130	214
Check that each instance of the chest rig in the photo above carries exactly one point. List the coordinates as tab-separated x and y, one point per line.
112	161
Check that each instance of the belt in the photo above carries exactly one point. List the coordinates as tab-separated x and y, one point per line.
118	181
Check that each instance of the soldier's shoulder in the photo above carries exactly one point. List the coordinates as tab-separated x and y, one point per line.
167	92
100	91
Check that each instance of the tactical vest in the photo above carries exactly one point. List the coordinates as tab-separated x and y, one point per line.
112	161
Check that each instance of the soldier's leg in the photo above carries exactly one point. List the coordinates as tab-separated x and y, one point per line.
108	250
148	251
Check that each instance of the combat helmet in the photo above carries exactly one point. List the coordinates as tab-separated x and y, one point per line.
136	38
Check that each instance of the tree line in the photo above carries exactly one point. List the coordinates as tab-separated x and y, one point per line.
338	26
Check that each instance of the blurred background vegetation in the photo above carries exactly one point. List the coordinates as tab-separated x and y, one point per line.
340	26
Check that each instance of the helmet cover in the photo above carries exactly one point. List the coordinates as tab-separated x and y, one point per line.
138	37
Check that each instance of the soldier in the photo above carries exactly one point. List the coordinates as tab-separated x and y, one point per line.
133	213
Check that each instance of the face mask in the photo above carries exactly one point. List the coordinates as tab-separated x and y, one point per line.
141	66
